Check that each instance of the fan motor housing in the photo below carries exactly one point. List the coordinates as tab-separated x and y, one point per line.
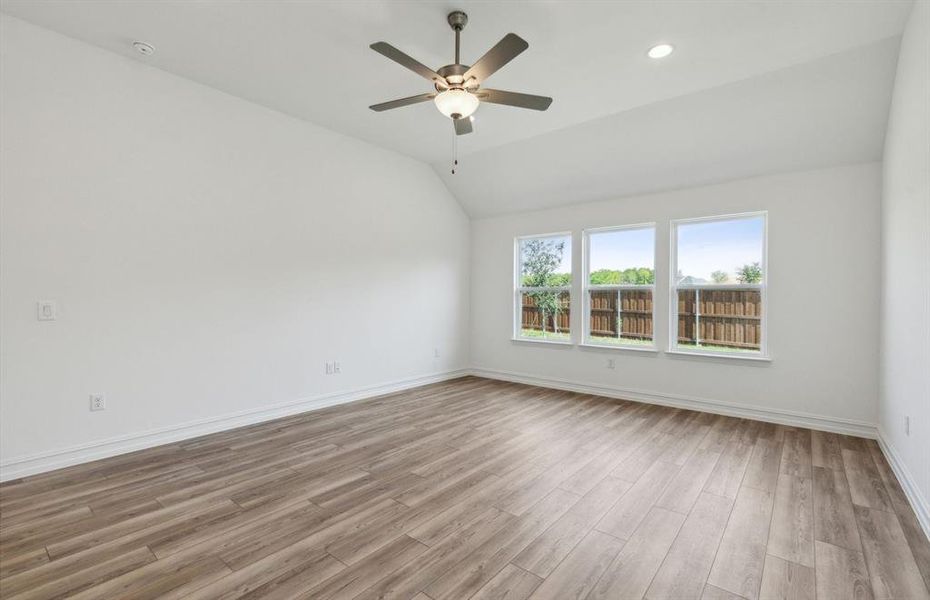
454	75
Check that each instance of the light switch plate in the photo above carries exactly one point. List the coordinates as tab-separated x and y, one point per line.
46	310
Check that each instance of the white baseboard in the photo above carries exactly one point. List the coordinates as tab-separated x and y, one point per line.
799	419
771	415
15	468
56	459
918	502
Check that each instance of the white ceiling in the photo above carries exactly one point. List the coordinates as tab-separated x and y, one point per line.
827	112
615	115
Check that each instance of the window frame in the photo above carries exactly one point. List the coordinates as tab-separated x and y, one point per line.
519	290
674	287
587	288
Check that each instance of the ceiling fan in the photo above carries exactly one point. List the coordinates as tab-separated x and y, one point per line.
458	87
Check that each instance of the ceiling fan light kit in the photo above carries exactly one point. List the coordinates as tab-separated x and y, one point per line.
458	92
456	103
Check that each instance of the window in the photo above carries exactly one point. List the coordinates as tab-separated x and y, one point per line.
620	286
718	285
543	288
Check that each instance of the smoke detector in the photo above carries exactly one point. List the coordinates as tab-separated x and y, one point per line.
144	48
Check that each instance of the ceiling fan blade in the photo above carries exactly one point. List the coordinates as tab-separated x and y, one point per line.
463	126
406	61
514	99
401	102
502	53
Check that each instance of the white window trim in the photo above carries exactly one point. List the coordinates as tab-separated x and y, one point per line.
518	290
586	288
750	356
673	347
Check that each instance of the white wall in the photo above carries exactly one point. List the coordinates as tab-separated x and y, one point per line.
207	255
905	350
823	297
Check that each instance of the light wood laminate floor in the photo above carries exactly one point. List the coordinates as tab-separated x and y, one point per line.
473	489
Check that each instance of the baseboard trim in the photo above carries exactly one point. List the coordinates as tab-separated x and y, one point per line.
799	419
918	502
15	468
771	415
57	459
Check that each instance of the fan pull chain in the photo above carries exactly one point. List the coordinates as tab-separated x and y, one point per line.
455	152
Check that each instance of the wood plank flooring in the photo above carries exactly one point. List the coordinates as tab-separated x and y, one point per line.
473	489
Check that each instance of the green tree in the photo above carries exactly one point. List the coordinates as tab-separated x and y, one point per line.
559	280
540	258
638	276
634	275
720	276
749	273
605	277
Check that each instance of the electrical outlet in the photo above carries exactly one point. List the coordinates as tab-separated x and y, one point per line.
329	368
98	402
46	310
907	426
337	367
611	363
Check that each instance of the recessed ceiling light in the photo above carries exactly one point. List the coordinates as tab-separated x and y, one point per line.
660	51
144	48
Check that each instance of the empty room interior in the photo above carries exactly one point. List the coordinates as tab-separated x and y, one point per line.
434	300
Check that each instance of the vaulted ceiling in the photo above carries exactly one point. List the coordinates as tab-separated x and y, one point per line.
753	87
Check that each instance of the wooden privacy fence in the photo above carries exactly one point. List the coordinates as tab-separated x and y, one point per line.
719	316
532	318
633	320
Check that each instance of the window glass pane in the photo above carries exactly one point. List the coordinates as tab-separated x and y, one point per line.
625	256
545	315
723	320
546	261
621	317
717	256
621	257
721	252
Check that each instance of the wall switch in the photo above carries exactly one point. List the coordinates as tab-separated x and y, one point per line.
98	402
46	309
907	426
329	368
337	367
611	363
436	352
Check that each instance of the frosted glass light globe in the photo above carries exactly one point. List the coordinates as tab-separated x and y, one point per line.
456	102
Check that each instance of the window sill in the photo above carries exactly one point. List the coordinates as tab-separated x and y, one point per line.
541	341
646	349
746	357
